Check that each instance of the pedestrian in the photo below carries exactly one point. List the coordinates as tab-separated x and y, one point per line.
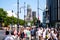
22	33
55	35
39	33
32	33
44	33
13	36
8	37
28	33
25	33
49	34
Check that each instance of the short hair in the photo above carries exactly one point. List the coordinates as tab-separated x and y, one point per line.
7	32
12	32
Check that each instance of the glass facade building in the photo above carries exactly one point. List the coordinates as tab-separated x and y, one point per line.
54	9
44	18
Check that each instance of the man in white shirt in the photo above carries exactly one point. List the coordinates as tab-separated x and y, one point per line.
44	34
8	37
39	33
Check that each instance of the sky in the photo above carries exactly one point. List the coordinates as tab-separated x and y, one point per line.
12	5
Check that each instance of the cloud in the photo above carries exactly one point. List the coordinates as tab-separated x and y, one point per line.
11	14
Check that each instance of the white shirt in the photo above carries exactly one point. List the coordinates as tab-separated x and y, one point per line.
9	38
25	31
39	32
52	31
54	36
44	34
49	35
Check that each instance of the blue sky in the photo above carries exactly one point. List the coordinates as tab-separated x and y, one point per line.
11	5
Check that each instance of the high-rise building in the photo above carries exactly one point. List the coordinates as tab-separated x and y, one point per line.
54	11
33	14
44	18
29	13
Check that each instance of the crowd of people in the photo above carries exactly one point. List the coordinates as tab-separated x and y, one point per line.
33	33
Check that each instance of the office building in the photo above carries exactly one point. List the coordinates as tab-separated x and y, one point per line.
44	18
29	13
54	12
33	14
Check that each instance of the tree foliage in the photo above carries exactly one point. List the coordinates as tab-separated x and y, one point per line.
34	20
3	15
8	20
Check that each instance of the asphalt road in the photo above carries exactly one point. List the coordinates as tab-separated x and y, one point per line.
2	34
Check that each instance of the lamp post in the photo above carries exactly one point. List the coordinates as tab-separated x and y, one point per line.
38	8
12	21
17	15
24	14
12	18
47	20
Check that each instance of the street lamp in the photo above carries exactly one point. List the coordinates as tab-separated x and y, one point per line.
12	18
24	13
38	8
11	26
17	15
47	20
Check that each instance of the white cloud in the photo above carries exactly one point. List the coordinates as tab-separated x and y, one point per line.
11	14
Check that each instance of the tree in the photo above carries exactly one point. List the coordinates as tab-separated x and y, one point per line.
12	20
21	22
34	21
9	20
3	15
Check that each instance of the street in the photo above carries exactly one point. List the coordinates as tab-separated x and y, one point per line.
2	35
29	19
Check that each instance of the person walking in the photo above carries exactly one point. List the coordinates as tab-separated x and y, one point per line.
55	35
28	33
8	37
33	33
